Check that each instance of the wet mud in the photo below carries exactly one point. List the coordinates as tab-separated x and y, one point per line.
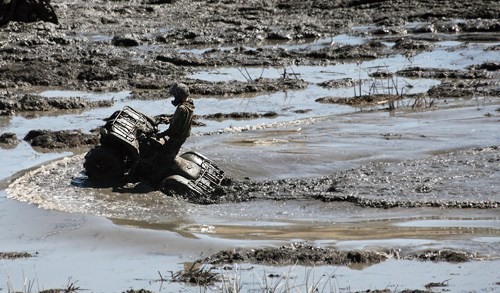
144	47
251	86
445	73
27	11
239	115
447	180
298	253
14	255
60	139
308	255
365	100
46	54
465	89
12	104
340	83
8	139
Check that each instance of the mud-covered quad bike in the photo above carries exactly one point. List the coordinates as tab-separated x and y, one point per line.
129	148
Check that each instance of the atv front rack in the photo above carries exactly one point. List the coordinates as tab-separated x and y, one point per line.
211	177
201	189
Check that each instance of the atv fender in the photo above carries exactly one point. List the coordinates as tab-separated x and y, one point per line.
186	168
176	184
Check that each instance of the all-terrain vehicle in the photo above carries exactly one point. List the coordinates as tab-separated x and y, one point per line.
128	149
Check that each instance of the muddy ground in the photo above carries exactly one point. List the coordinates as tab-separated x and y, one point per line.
97	46
145	46
444	181
135	46
304	254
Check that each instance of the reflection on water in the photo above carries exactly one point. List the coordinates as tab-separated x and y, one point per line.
492	224
345	231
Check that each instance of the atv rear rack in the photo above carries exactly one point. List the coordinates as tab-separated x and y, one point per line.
125	125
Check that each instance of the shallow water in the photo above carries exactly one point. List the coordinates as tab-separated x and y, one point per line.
130	237
297	151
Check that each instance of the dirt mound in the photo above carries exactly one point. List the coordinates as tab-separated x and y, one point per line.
60	139
9	139
296	254
27	11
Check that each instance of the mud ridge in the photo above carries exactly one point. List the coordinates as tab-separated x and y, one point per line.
436	181
223	88
34	103
465	89
238	115
439	73
308	255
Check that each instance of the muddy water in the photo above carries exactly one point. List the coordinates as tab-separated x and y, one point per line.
131	236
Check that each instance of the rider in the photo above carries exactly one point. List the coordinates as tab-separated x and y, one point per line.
179	128
180	124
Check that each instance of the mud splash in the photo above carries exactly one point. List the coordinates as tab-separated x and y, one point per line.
441	181
107	202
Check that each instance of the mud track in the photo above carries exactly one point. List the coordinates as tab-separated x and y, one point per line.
449	180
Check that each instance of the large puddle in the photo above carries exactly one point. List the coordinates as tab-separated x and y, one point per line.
306	148
338	224
316	142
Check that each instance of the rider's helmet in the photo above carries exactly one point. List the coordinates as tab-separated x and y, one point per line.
180	92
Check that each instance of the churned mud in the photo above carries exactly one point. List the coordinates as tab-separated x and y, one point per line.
449	180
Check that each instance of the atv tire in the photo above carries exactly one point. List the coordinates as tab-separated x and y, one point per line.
102	164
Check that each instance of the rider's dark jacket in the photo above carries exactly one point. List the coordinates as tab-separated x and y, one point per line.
180	124
177	132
